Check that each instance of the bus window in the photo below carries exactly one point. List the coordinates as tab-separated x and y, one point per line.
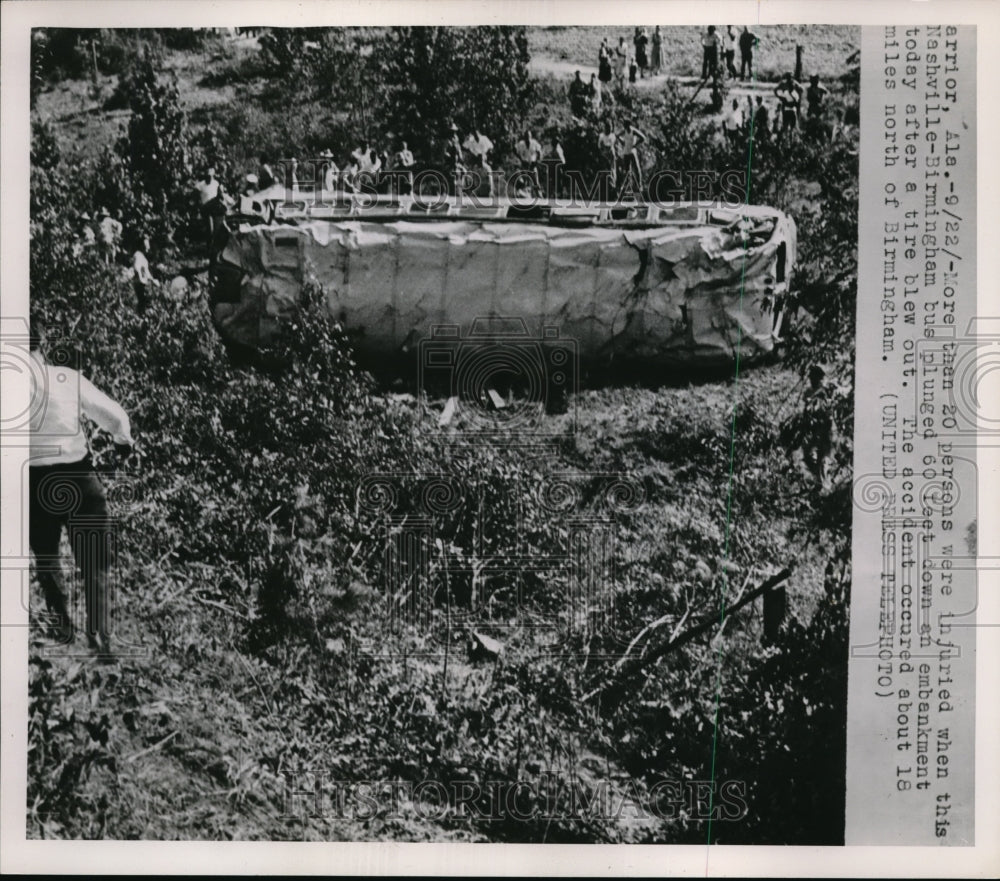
625	213
528	212
681	214
429	207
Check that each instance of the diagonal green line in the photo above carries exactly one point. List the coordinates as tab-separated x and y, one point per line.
729	487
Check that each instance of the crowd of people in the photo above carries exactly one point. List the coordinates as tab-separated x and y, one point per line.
647	57
534	167
470	161
766	122
101	233
129	250
367	160
467	159
623	63
718	47
104	235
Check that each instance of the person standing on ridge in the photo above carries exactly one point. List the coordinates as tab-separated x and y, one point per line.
761	122
478	146
818	428
621	62
747	43
732	124
641	52
709	52
212	206
404	165
656	56
731	41
604	62
554	161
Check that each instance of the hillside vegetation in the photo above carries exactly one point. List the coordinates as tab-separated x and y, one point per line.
260	672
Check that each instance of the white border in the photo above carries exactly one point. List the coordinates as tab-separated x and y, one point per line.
16	19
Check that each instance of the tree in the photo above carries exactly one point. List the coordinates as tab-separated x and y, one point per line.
474	76
51	227
283	50
146	173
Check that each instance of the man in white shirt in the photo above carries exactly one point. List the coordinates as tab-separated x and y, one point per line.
404	165
362	158
478	146
607	145
730	45
360	163
65	491
208	188
732	123
331	173
621	62
142	278
529	152
404	156
110	236
630	140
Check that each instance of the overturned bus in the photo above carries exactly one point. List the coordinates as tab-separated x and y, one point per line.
633	282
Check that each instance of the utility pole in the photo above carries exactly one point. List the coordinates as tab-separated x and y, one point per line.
93	56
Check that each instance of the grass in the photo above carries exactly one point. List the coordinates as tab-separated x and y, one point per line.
202	736
205	740
826	47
